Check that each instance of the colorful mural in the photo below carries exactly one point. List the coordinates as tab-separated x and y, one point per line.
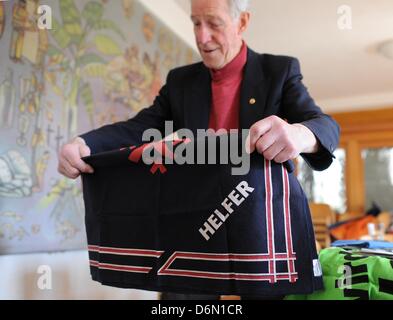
2	19
102	62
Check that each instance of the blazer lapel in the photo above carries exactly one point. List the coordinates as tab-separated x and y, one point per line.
253	92
197	99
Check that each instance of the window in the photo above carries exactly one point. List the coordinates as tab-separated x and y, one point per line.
327	186
378	175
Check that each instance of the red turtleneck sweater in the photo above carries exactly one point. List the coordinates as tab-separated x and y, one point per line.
226	85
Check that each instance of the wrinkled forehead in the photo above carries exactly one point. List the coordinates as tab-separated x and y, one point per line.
209	8
208	17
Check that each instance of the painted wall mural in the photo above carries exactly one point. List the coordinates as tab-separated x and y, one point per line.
102	62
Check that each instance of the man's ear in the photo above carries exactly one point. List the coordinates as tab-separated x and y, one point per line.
244	21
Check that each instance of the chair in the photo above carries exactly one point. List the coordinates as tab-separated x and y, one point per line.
322	217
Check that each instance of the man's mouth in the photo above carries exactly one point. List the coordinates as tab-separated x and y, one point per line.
209	51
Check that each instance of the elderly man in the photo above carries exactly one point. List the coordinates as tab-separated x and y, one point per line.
234	88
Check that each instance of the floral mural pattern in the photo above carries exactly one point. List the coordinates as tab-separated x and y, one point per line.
101	62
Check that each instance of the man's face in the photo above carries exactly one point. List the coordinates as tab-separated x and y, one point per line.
218	35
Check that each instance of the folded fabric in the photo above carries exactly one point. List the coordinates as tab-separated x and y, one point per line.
198	229
363	244
350	275
352	229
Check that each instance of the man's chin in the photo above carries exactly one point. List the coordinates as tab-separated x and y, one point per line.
211	64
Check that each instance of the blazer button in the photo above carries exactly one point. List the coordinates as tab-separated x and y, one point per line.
253	101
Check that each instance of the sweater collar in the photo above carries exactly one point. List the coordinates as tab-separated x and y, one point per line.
233	69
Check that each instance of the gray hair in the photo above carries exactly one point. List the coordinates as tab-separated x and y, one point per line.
237	7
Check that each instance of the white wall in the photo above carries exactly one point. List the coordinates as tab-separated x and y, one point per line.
70	279
170	13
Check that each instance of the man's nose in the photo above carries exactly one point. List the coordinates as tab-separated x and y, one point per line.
203	35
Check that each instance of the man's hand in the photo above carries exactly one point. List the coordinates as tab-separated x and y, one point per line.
277	140
70	163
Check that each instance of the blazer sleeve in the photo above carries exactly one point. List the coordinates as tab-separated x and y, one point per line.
299	107
128	133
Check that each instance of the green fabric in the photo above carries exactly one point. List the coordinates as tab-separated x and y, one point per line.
371	276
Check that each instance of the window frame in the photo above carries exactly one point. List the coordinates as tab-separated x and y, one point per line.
362	130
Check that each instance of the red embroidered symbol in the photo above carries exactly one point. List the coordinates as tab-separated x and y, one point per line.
162	148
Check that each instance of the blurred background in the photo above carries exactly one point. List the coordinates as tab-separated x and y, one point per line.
103	61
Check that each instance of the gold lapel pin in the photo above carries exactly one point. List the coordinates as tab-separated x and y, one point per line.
253	101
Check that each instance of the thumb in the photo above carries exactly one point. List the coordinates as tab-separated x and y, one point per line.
249	149
84	151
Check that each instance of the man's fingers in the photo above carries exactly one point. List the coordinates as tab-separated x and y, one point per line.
85	152
80	165
256	131
70	163
70	169
272	152
275	139
283	156
71	156
248	145
67	170
265	142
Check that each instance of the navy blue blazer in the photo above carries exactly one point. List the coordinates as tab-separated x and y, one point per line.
275	82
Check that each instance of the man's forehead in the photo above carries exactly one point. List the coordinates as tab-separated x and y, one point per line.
209	8
207	16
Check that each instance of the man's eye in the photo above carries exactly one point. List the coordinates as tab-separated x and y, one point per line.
215	25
